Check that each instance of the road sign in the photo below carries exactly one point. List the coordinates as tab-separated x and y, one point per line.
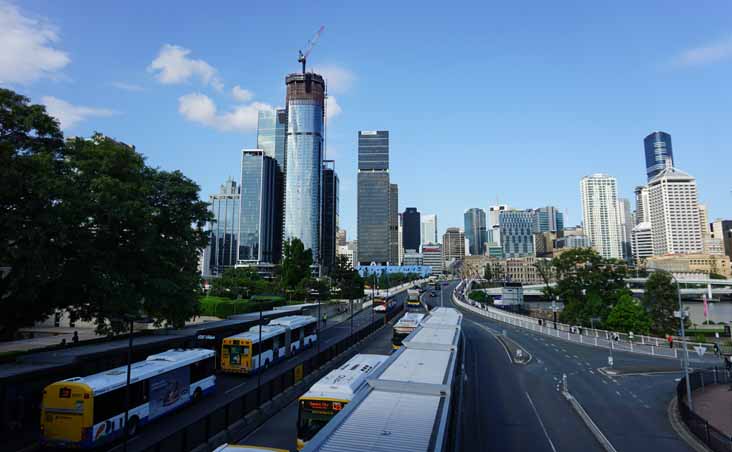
700	350
610	361
677	314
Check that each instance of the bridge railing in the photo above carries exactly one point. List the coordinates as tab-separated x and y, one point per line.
599	338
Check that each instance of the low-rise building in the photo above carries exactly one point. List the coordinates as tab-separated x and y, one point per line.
691	263
519	269
412	257
432	256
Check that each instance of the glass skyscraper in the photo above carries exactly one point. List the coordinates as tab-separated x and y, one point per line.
373	213
475	230
271	138
223	246
330	216
549	219
517	232
304	159
257	207
658	150
411	229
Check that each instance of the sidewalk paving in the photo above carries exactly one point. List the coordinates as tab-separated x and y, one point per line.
713	404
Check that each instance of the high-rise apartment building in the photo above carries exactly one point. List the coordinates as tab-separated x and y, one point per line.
453	245
373	214
722	230
304	159
600	214
642	242
223	246
330	217
548	219
494	213
475	230
659	153
517	232
642	205
394	251
257	208
411	229
625	218
432	256
272	139
428	228
674	213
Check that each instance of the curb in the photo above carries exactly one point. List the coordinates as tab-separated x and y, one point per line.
681	429
594	429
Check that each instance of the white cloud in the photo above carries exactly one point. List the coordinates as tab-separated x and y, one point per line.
26	54
337	79
241	94
332	109
172	66
68	115
706	54
127	86
199	108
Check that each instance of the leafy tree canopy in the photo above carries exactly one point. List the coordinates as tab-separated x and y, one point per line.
660	300
628	315
296	262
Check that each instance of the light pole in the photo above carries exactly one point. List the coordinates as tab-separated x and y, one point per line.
554	310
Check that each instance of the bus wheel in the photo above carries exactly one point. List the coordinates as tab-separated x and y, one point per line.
197	394
132	426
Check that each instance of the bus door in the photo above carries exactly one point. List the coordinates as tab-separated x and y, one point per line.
288	340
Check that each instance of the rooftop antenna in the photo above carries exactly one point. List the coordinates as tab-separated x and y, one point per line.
303	56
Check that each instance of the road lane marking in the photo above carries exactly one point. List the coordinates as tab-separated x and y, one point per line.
617	392
593	372
541	423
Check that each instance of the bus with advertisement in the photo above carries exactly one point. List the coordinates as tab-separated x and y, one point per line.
85	412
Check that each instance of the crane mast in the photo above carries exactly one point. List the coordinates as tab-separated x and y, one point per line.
303	56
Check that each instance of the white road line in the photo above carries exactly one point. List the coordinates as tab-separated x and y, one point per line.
593	372
618	393
541	423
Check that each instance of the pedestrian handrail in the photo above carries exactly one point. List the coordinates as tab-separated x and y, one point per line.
714	439
643	344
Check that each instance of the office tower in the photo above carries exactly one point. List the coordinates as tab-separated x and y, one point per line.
642	205
722	230
674	213
272	139
428	228
400	235
549	219
257	208
393	224
625	218
658	152
494	213
304	159
411	229
330	217
517	232
341	237
373	217
453	245
223	246
412	257
432	256
600	215
642	242
474	221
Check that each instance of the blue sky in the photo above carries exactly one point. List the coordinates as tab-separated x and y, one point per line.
514	101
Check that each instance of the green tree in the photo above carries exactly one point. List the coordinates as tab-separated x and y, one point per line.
296	262
240	282
628	315
660	300
349	283
716	276
488	272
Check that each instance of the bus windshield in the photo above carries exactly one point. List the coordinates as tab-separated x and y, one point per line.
313	415
398	338
236	353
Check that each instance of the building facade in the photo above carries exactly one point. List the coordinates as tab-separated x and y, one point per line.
453	245
642	242
304	159
517	233
223	247
625	218
411	229
428	228
331	218
518	270
658	152
394	250
691	263
572	241
722	230
373	214
642	205
493	226
600	215
341	237
272	139
475	230
548	219
257	208
412	257
674	213
432	257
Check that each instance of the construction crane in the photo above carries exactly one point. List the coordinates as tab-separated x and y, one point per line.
303	56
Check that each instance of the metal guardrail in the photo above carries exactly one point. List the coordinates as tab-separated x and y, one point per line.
702	429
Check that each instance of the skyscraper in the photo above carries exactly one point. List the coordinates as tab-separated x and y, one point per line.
475	230
600	215
517	232
428	228
373	215
625	218
549	219
642	242
223	247
432	256
674	213
330	216
257	208
272	139
394	224
411	229
658	152
722	230
494	212
642	205
304	156
453	244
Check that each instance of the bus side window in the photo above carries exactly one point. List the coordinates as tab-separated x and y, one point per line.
138	393
202	369
109	405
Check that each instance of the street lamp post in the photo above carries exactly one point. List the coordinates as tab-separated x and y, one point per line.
554	310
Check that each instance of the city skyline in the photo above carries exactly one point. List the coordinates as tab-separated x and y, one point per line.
204	103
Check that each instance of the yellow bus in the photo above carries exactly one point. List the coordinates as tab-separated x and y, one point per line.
283	337
413	303
84	412
327	397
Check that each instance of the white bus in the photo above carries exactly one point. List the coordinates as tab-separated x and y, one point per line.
328	396
404	327
88	411
243	353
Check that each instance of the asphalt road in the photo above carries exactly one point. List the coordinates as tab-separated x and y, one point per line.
230	387
630	410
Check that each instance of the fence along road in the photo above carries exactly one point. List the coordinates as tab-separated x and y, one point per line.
645	345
